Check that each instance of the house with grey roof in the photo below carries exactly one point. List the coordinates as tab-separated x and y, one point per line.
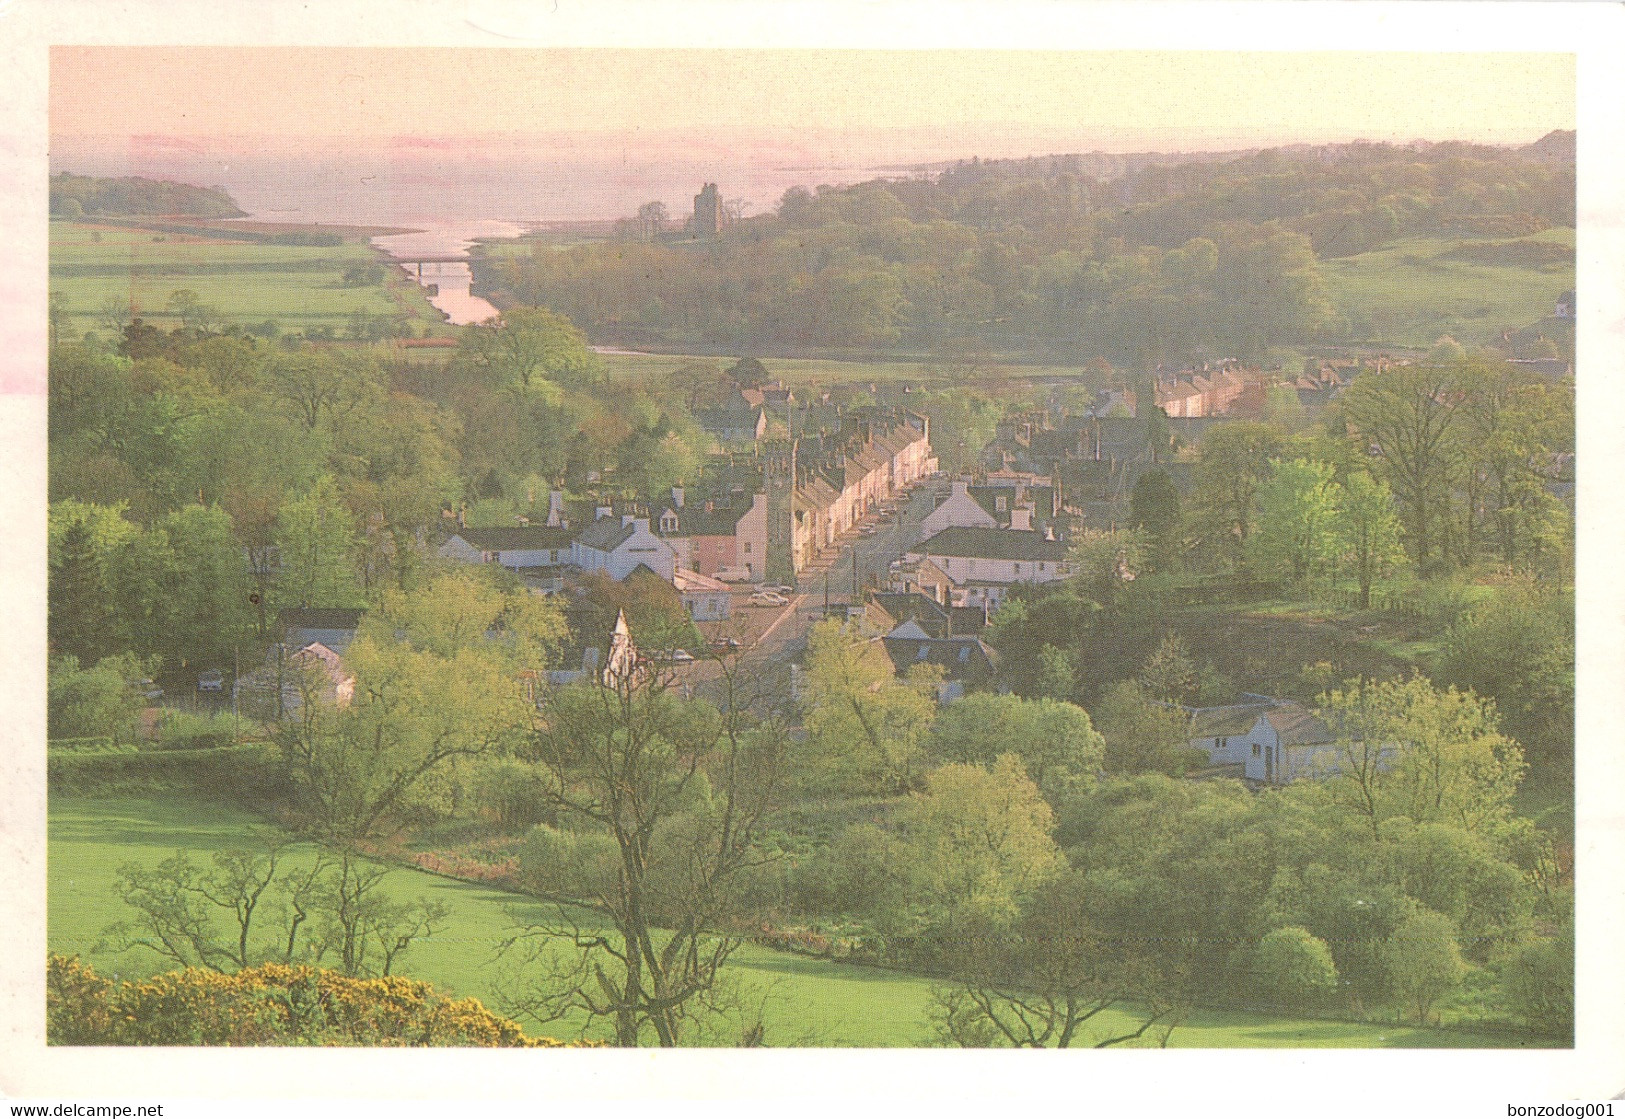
965	658
1270	741
518	548
617	545
983	563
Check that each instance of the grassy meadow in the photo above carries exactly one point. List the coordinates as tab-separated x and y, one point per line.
1409	292
807	1001
299	287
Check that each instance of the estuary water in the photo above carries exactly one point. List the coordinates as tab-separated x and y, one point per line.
452	280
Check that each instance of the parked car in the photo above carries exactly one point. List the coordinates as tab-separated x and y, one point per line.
146	688
733	574
777	588
211	680
676	656
768	598
866	530
726	645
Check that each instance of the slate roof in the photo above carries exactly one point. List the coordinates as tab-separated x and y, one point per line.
319	618
993	543
1222	722
517	538
605	534
1297	726
694	520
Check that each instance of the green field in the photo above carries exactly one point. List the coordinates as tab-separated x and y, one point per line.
801	373
1410	292
298	287
807	1001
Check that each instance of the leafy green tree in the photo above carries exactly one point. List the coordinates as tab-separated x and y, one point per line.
1232	465
321	384
976	840
1411	418
1057	673
1169	674
1142	736
1295	968
1517	648
1538	980
1462	876
1367	532
436	680
866	728
1514	423
1055	741
183	587
1104	561
527	345
80	617
1155	506
1407	748
316	543
1297	515
93	702
1424	963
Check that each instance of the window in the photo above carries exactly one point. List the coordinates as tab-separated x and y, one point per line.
999	503
925	651
1221	743
1257	750
1040	566
747	547
964	654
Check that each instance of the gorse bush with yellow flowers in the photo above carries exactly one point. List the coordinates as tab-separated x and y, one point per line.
273	1004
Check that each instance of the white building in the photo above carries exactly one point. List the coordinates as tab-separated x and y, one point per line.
520	548
1273	742
615	546
983	563
958	510
706	599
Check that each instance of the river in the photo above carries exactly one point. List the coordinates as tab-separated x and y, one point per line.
452	280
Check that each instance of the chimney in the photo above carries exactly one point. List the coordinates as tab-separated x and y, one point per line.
1021	518
462	515
555	508
605	511
677	496
959	488
626	519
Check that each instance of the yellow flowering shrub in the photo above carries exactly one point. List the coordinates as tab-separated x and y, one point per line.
273	1004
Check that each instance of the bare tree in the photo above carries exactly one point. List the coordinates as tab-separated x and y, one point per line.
1048	979
661	804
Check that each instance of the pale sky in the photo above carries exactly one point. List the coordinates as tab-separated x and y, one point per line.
1126	99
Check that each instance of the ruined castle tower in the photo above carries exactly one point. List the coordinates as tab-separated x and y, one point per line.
708	211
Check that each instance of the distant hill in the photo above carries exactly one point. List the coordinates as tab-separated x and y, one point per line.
84	195
1556	146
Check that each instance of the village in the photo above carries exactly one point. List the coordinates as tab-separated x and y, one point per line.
1085	634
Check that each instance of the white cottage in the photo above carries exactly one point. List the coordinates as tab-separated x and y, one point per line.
519	548
983	563
958	510
1273	742
617	546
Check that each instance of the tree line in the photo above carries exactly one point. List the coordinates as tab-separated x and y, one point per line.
1160	263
